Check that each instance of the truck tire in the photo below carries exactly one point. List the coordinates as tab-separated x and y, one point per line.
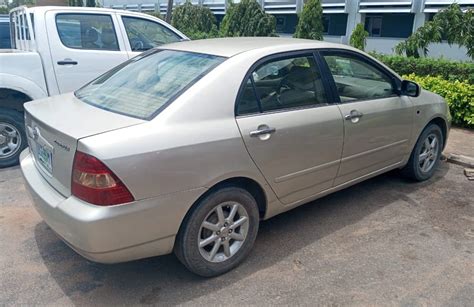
12	137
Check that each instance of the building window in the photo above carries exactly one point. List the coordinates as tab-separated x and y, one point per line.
280	24
396	25
326	24
373	25
334	24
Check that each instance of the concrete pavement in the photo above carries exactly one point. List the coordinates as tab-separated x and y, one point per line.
382	242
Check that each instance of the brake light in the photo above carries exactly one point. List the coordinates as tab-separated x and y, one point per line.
95	183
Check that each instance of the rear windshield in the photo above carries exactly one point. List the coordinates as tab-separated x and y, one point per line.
145	85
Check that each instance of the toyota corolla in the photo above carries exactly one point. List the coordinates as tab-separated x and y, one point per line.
187	147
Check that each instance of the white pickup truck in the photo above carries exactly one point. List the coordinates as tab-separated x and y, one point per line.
59	49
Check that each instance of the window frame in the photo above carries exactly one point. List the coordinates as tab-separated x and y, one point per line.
127	39
396	82
93	14
282	56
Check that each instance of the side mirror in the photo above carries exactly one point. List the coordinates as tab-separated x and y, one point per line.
410	88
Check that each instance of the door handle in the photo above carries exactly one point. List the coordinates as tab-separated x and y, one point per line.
353	115
262	131
67	62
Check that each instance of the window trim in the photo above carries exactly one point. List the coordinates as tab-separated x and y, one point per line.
281	56
149	20
101	14
396	82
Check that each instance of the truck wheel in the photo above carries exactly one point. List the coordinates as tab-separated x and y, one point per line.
12	137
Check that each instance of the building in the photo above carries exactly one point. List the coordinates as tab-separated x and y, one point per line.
387	21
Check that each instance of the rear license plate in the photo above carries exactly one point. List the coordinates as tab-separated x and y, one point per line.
45	158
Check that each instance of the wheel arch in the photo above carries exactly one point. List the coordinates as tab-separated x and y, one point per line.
19	86
442	124
13	99
246	183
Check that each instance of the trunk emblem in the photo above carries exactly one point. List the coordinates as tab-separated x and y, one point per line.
65	147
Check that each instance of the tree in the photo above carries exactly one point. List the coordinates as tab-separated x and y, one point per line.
310	21
247	18
359	37
196	21
90	3
450	24
76	3
15	3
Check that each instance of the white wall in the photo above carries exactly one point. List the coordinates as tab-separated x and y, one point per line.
386	45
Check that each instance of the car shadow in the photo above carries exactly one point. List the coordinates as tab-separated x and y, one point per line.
164	280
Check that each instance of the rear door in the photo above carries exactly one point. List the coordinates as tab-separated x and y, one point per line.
377	121
143	34
83	46
290	129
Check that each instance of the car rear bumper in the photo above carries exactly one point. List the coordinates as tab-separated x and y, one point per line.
112	234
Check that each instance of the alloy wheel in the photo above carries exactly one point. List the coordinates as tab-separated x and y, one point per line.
428	153
223	232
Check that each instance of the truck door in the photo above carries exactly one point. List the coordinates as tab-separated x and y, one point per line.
83	46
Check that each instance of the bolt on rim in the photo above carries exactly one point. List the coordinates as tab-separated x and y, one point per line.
428	153
10	140
223	232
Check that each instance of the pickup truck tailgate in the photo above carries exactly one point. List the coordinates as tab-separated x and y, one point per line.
54	125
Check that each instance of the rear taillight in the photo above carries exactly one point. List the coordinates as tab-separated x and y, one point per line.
95	183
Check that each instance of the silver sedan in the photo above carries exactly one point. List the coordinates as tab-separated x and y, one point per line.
187	147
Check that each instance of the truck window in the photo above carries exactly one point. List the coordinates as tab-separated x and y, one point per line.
145	34
87	31
5	34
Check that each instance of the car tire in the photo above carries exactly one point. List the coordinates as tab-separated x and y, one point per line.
12	137
425	157
189	245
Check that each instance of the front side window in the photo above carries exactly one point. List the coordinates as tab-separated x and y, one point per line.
146	84
286	83
357	79
87	31
145	34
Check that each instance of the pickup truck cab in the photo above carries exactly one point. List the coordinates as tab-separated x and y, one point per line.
57	50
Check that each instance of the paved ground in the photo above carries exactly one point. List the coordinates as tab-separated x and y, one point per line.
384	241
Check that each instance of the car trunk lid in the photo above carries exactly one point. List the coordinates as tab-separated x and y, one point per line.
54	126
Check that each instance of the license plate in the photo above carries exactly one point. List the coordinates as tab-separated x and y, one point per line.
45	158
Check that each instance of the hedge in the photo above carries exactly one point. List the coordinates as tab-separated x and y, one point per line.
459	95
448	70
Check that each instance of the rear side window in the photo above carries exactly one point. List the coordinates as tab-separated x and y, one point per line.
87	31
145	34
143	86
5	35
286	83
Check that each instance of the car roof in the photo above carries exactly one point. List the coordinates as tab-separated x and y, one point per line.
231	46
42	9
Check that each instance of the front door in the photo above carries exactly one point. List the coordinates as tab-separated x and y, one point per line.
291	132
83	46
377	121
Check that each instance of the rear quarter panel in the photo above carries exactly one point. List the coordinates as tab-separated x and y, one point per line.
22	71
